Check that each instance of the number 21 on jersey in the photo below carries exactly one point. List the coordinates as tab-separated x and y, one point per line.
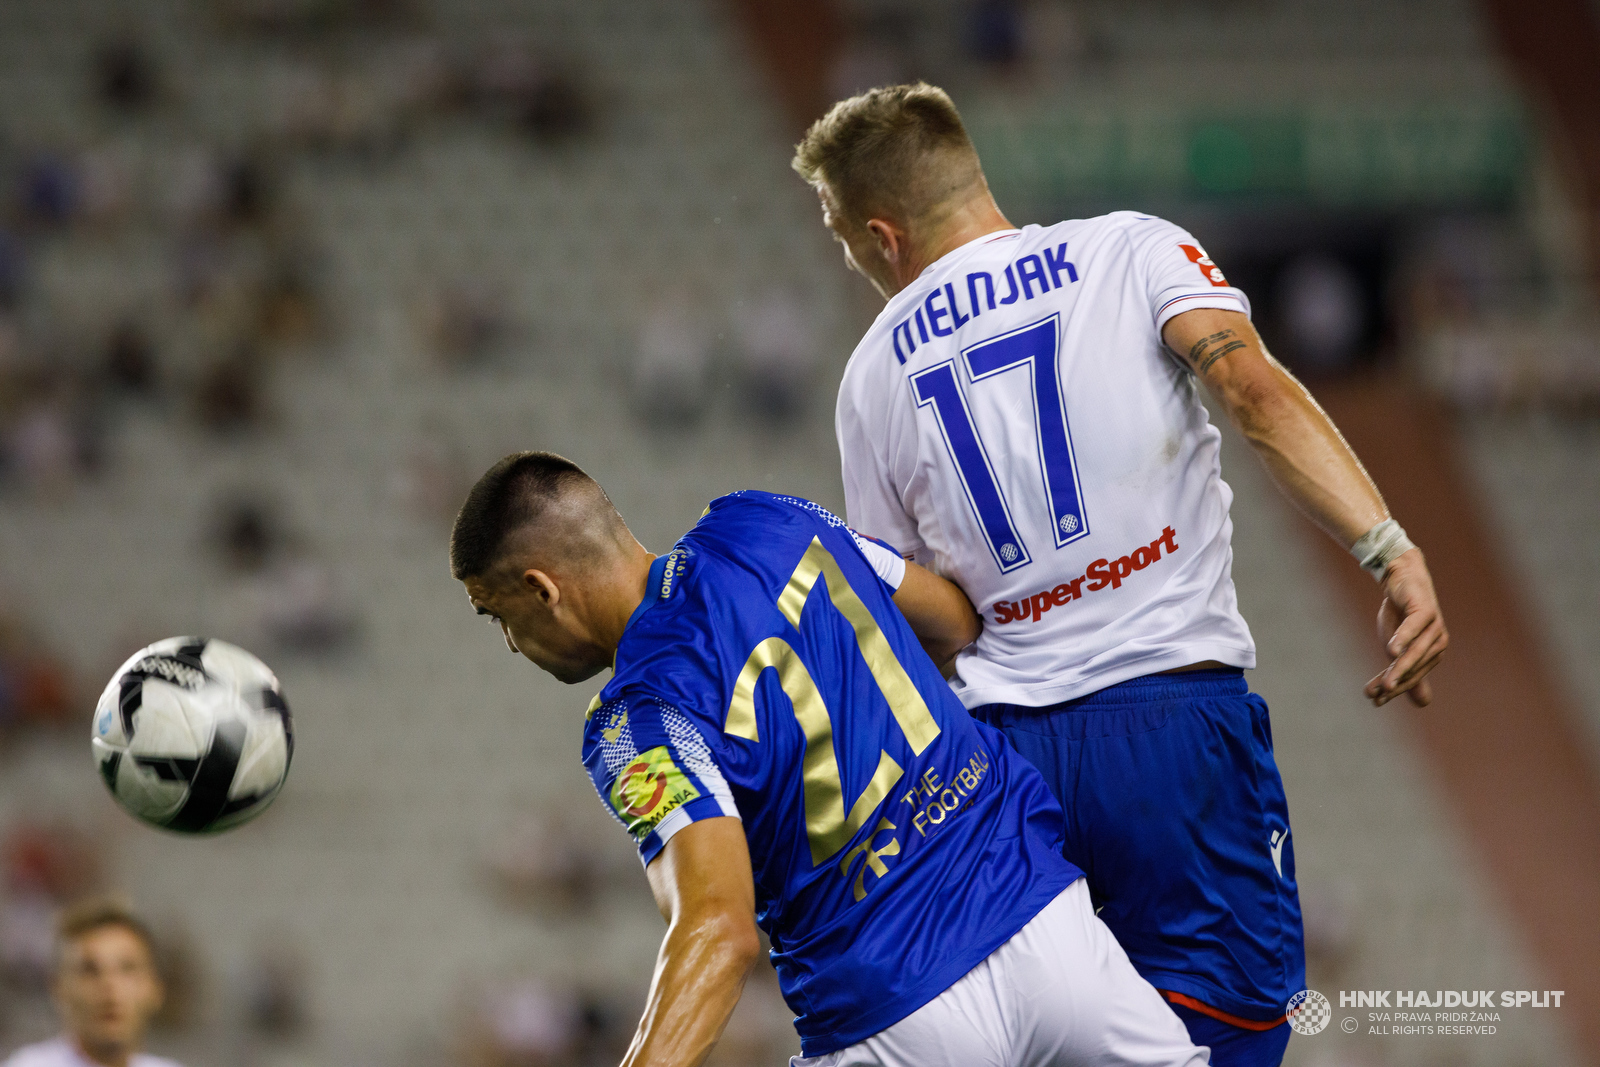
1028	353
829	826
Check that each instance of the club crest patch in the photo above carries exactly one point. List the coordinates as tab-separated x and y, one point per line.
648	790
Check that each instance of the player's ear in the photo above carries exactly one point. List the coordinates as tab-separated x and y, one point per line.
887	236
542	586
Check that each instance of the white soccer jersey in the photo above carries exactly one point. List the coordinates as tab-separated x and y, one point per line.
1013	421
61	1052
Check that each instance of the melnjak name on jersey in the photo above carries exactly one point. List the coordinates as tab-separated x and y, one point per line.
939	313
1100	574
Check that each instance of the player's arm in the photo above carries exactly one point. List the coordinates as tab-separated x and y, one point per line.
939	613
702	884
1311	463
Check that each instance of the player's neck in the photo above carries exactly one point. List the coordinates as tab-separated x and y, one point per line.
977	217
632	583
115	1056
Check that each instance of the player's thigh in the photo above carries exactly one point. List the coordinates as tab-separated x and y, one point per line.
1079	1001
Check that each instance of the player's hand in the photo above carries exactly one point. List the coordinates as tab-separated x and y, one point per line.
1412	629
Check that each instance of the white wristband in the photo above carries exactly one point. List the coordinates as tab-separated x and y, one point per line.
1381	546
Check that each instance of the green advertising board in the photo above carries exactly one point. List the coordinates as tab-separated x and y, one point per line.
1421	155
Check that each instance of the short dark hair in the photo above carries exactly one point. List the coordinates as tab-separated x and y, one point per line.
900	150
96	913
510	494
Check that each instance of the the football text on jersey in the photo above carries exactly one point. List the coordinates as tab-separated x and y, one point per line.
1099	574
934	800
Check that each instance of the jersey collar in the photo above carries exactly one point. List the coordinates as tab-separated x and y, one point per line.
959	250
652	587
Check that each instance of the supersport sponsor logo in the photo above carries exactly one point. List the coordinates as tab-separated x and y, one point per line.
649	789
1099	574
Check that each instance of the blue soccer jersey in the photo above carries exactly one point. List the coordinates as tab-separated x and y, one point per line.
895	841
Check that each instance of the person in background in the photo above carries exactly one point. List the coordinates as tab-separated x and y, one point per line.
106	988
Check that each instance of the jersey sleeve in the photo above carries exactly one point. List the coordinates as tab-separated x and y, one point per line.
654	771
1178	275
889	564
869	434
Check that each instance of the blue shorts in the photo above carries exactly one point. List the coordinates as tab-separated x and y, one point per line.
1176	814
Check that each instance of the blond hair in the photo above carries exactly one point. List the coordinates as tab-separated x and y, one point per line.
899	152
95	913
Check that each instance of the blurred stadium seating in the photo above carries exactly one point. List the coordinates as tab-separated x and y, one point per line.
279	277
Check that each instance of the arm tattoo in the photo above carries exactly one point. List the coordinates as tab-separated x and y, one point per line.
1206	351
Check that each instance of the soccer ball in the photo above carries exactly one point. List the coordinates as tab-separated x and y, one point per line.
193	735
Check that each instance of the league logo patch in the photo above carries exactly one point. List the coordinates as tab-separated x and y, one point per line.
648	790
1212	272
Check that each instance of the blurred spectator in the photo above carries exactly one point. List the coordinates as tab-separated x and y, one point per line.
434	478
53	431
194	190
274	991
556	109
228	393
35	687
12	269
125	75
41	448
300	607
49	190
465	321
416	77
106	988
105	186
671	362
1324	314
44	865
552	865
511	79
368	109
779	353
212	189
249	190
247	534
288	304
291	592
308	16
524	1023
1056	37
130	362
200	267
994	32
25	938
877	51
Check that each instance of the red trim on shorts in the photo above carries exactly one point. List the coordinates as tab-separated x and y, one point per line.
1216	1013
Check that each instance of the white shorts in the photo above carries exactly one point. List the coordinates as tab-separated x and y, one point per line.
1061	992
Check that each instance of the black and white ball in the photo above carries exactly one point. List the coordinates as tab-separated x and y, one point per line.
193	735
